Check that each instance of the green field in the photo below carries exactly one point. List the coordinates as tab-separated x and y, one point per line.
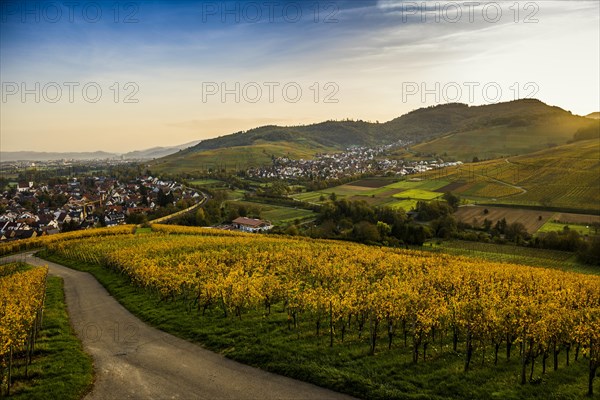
406	205
278	215
231	158
550	226
417	194
283	215
424	184
396	194
207	182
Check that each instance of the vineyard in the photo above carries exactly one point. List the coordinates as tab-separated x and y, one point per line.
22	245
556	259
427	305
21	303
564	176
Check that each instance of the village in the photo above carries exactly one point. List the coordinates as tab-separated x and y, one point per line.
352	162
34	209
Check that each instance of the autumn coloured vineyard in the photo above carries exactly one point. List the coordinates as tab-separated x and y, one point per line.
387	295
22	245
21	304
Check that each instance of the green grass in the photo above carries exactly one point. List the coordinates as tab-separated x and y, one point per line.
207	182
382	196
502	140
310	197
264	341
276	214
60	368
232	158
418	194
236	194
419	184
11	268
551	226
287	214
562	260
406	205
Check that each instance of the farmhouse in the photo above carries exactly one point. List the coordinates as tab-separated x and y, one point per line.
251	224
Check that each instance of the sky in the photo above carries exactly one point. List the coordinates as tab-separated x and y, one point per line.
128	75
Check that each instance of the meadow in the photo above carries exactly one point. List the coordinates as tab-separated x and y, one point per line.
381	192
278	215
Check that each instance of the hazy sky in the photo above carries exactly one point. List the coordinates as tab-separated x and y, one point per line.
120	76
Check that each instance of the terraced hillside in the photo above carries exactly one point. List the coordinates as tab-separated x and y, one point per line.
565	176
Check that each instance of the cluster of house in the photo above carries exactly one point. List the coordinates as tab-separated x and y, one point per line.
353	161
31	210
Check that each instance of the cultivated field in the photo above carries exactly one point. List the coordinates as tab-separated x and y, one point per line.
566	176
381	192
276	214
534	220
414	319
475	215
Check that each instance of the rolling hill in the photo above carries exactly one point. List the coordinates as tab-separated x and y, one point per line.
456	130
566	176
594	115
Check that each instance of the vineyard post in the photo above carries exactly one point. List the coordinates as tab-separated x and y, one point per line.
330	324
555	352
594	364
469	345
10	361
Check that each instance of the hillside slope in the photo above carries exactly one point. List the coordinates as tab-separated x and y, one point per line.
457	130
506	129
566	176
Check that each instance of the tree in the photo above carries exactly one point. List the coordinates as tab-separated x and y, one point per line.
590	252
366	232
137	218
500	226
444	227
384	229
201	217
278	189
487	225
516	232
292	230
233	213
452	200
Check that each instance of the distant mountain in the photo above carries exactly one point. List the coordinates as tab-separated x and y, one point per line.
158	152
594	115
456	130
148	154
52	156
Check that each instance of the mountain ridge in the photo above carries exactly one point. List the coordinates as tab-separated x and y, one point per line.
509	128
147	154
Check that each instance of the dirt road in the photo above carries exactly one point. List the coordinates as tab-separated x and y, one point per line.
135	361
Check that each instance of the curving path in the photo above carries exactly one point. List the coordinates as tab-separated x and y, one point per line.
135	361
